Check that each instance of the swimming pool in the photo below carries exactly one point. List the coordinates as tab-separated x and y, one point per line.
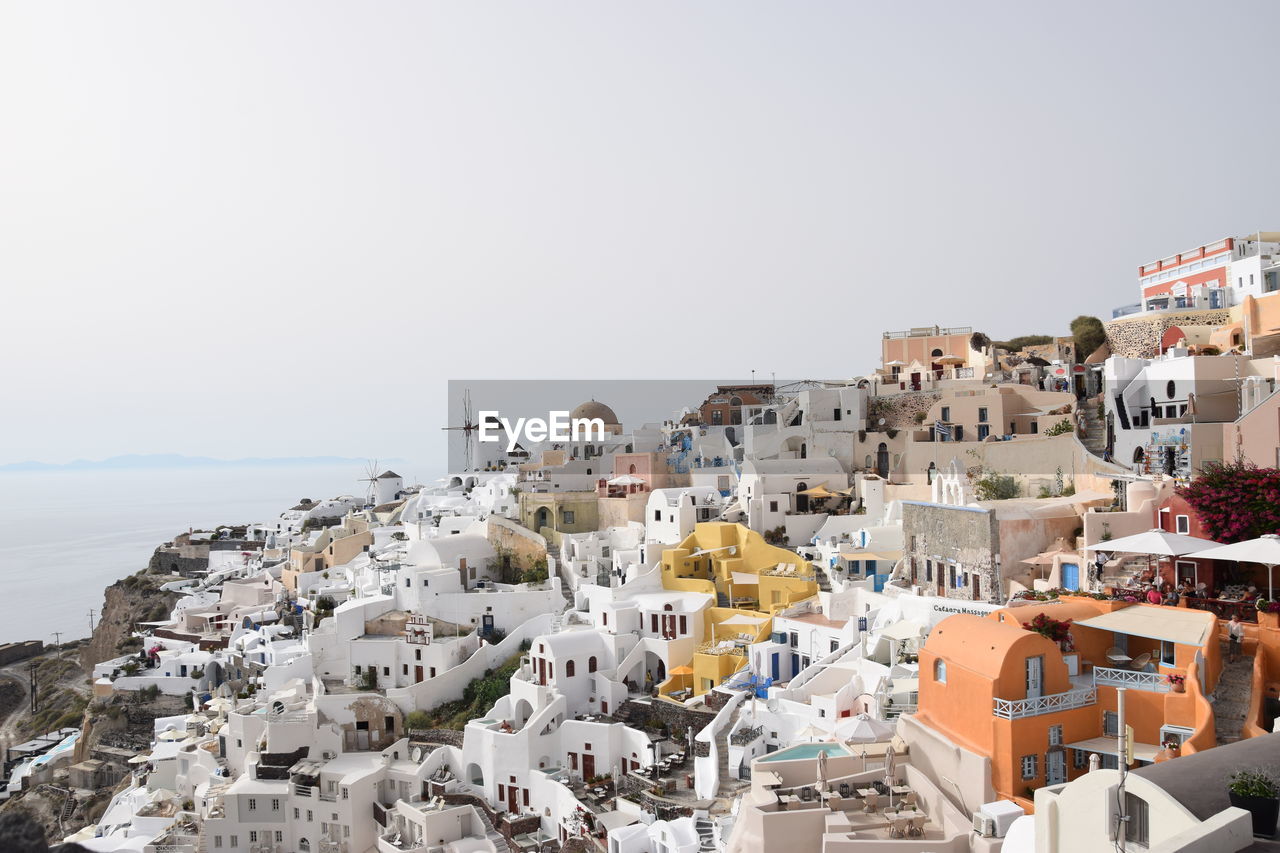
806	750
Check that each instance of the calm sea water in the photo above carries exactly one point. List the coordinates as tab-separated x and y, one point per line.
67	535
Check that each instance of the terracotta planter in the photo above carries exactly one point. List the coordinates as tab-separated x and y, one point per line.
1179	687
1265	811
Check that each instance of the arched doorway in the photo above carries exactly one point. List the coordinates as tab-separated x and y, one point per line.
882	460
802	500
475	775
542	518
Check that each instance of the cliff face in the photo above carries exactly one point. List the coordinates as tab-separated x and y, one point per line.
137	598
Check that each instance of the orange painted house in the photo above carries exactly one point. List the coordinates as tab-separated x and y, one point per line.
999	690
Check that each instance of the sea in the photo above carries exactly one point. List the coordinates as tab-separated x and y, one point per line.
67	534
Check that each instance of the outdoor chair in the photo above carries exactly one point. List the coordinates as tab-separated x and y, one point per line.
1141	661
917	826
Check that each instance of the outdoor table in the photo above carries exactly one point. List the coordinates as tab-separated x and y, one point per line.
901	789
1121	658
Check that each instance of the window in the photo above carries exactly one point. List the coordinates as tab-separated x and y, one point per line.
279	836
1183	523
591	664
793	640
386	670
940	671
253	836
836	416
773	506
983	431
1079	759
235	841
310	816
568	669
297	815
1029	766
1055	735
1135	828
946	413
657	515
1110	724
217	841
982	414
567	516
275	805
346	793
253	804
1168	653
928	571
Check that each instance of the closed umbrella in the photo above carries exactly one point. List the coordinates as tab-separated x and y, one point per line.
1265	550
890	760
822	770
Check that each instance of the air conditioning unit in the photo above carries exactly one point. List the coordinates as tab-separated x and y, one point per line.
983	825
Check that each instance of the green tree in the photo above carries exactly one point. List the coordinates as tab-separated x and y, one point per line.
1089	335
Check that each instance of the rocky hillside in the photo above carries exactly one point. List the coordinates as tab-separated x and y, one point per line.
137	598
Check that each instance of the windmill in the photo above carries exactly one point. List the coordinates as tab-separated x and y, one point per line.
467	428
371	472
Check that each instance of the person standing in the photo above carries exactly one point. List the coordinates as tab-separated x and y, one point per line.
1235	638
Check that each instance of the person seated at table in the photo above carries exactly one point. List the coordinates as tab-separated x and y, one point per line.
1202	590
1153	595
1251	594
1171	598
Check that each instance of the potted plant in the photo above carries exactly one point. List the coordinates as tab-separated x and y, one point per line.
1255	792
1177	682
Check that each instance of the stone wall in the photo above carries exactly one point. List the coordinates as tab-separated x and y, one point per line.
677	718
11	652
899	410
1139	336
524	545
448	737
967	536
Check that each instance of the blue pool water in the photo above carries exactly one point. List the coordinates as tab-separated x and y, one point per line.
806	750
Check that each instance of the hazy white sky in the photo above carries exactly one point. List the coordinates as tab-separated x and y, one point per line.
276	229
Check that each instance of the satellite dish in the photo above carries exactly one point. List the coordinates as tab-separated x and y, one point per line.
880	422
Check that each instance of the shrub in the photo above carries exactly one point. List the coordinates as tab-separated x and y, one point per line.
1062	427
1089	334
996	487
1235	500
1252	783
417	720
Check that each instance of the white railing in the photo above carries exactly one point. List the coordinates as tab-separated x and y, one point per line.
1111	677
1012	709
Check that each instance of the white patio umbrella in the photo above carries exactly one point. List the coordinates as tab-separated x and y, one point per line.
627	480
1265	550
822	770
1155	543
812	733
863	728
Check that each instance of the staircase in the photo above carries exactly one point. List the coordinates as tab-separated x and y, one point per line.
1095	438
1231	698
68	809
820	574
706	835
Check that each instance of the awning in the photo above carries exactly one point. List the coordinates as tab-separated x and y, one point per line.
745	578
1173	624
888	556
820	491
1108	746
744	619
905	629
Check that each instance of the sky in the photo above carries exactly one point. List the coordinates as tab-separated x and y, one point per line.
245	229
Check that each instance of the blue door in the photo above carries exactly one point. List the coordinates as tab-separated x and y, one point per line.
795	665
1071	576
774	667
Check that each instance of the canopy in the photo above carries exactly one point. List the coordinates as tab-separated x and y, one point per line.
1046	558
905	629
1159	542
1265	550
820	491
888	556
745	578
863	728
949	359
1174	624
744	619
682	670
627	480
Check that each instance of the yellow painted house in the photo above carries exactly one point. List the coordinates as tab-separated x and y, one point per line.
751	577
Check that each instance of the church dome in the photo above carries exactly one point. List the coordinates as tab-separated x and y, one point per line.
592	409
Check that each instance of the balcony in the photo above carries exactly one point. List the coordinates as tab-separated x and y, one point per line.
1016	709
1152	681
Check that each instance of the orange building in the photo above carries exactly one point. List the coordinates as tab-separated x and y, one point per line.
1038	708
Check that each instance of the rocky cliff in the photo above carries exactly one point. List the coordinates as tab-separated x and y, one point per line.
137	598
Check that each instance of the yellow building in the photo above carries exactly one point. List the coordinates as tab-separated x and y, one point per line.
751	579
735	564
